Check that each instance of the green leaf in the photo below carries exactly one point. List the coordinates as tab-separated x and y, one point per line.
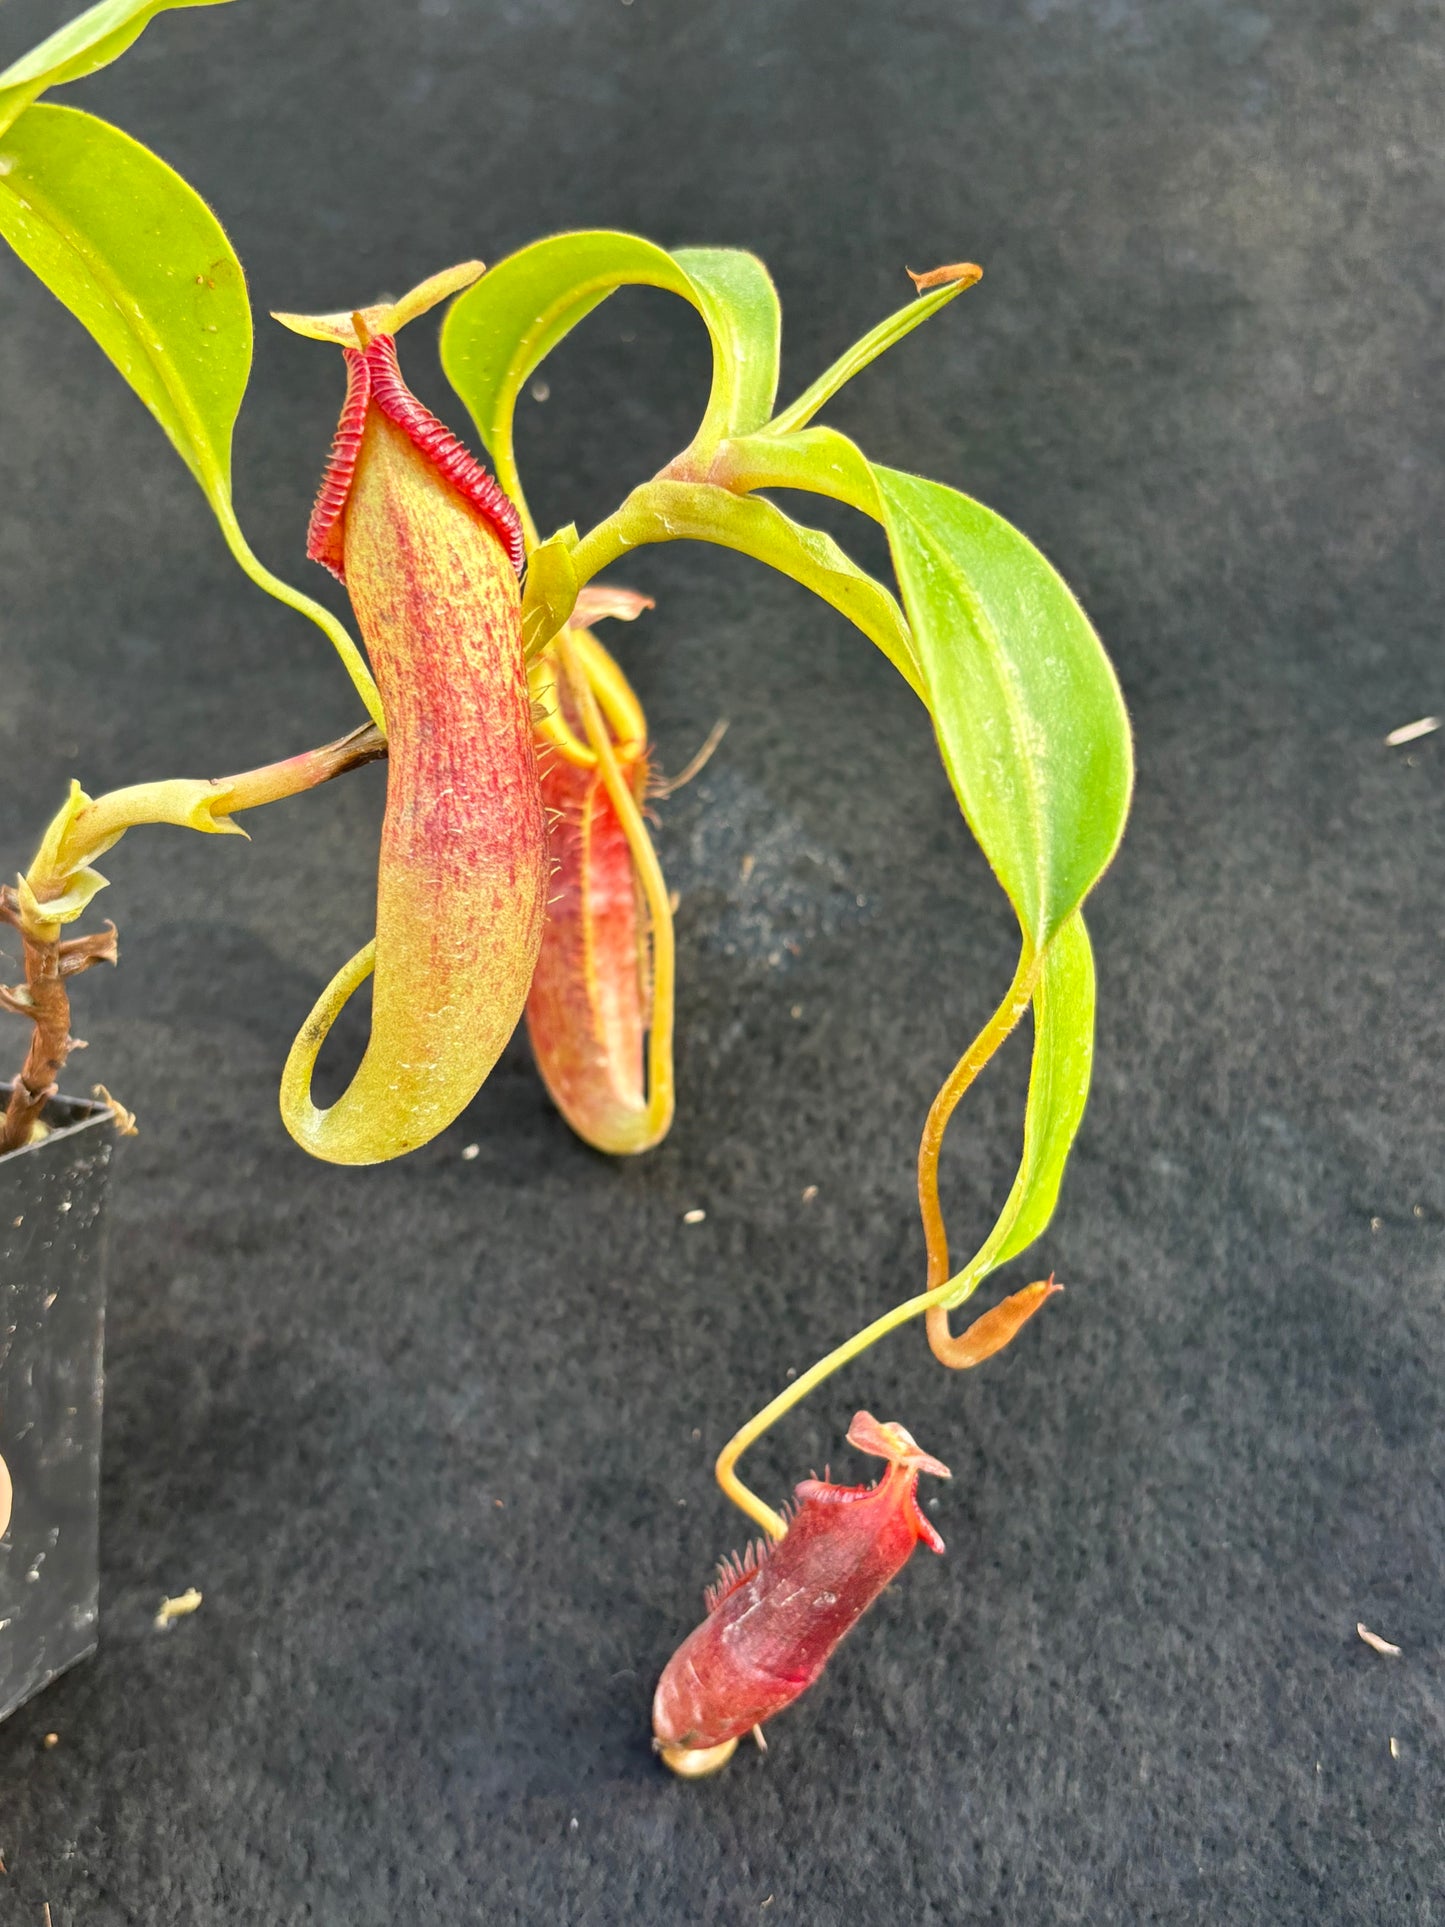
1029	719
1028	712
144	265
670	511
873	344
92	40
1063	1062
1025	702
1059	1077
500	330
735	295
1036	742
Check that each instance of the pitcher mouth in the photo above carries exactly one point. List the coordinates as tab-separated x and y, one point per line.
374	379
828	1494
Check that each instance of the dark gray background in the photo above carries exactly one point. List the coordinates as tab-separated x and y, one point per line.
435	1440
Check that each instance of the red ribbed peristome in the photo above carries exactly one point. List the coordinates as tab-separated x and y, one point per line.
373	376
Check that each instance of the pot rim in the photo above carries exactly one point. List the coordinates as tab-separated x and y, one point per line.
84	1112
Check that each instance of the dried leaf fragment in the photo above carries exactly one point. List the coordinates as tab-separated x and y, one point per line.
599	599
125	1123
990	1333
966	272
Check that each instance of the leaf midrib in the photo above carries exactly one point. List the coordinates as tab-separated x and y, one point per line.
1014	707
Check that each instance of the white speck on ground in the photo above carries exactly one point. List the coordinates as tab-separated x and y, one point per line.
1412	732
1374	1639
178	1608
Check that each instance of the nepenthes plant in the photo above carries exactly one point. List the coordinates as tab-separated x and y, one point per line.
516	873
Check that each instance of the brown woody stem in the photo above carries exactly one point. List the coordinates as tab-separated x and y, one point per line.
46	1002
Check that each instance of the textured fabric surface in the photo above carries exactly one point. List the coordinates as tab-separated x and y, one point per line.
434	1440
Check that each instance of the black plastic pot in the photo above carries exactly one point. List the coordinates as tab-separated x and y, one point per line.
52	1325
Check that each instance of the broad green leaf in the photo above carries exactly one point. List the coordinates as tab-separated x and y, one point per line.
90	41
1025	702
668	511
873	344
499	331
142	262
1028	712
144	265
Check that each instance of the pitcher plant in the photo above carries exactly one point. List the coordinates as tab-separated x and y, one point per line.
516	872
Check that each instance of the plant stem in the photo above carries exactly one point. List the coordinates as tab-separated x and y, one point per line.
308	771
79	834
352	659
45	1001
97	825
930	1144
605	544
763	1515
941	1287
